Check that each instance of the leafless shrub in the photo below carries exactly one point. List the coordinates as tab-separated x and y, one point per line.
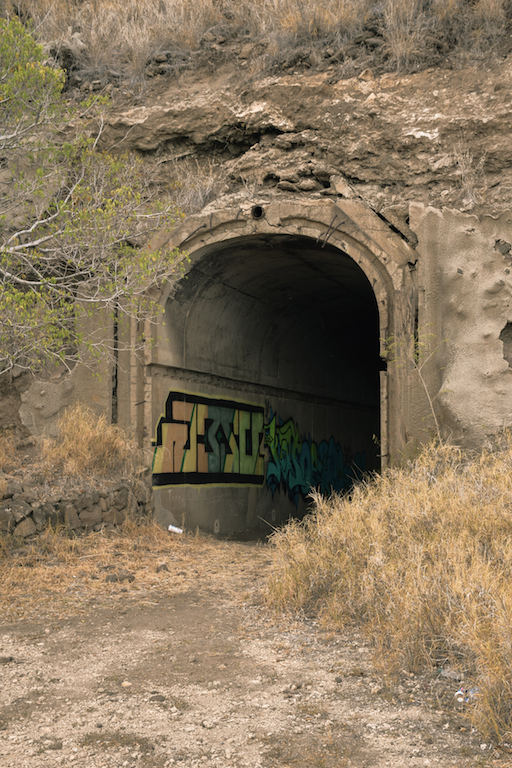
193	183
471	176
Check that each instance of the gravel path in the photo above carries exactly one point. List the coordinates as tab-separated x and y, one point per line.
207	677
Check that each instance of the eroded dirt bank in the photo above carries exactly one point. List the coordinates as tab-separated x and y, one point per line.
179	663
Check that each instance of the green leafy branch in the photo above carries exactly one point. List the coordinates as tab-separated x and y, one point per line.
74	222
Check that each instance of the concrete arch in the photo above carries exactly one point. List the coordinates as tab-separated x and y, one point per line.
350	225
271	346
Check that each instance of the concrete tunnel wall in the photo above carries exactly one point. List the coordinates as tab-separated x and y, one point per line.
266	381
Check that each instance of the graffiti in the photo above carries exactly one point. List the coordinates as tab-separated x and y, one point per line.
296	464
203	440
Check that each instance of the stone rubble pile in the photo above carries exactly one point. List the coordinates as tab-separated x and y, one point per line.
29	504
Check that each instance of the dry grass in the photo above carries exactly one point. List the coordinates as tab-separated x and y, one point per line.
194	184
471	176
422	558
310	20
59	576
407	28
88	445
475	22
7	451
123	35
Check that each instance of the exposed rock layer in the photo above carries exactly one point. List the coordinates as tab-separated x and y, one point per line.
440	137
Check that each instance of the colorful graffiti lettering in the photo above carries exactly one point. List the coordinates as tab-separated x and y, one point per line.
297	464
203	440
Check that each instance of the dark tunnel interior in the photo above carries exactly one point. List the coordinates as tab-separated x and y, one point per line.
268	382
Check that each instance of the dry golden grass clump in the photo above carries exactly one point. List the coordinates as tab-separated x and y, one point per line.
59	575
123	35
422	558
88	445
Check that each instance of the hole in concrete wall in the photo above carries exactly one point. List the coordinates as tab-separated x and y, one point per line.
503	247
506	338
257	212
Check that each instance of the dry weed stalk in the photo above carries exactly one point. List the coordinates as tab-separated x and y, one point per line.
194	184
422	558
416	353
472	176
8	456
406	29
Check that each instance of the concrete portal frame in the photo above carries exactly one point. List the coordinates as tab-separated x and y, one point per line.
386	264
382	254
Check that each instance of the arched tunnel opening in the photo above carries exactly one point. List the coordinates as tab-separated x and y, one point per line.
267	385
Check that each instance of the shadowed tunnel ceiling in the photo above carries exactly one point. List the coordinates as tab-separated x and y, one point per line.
281	312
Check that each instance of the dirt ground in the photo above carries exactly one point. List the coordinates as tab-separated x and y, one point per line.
186	666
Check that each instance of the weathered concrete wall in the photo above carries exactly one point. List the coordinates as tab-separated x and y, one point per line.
465	276
229	464
322	288
306	343
45	400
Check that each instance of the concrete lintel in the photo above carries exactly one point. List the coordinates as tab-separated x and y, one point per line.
202	379
243	219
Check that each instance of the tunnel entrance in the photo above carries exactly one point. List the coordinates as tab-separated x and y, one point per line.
268	382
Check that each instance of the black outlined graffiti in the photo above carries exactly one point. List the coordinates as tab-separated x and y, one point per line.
203	440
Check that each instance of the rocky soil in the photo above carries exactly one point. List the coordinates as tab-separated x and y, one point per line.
193	670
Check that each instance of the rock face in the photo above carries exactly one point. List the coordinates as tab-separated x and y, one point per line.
429	154
42	402
439	137
29	504
406	146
